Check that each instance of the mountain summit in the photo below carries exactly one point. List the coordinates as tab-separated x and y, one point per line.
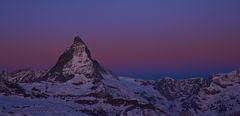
76	60
77	40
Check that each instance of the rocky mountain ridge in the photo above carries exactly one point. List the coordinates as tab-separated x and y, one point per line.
79	85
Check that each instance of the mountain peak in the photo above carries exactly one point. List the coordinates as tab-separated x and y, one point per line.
76	60
78	40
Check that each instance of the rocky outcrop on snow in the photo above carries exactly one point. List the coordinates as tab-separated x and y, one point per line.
8	88
218	95
174	89
23	76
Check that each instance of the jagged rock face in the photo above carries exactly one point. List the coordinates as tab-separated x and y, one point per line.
222	95
173	89
8	88
23	76
224	80
75	60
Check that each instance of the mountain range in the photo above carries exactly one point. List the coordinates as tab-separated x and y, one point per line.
77	85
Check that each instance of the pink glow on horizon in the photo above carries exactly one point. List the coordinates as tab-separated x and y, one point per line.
157	35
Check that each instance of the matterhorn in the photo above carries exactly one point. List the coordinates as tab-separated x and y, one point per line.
77	85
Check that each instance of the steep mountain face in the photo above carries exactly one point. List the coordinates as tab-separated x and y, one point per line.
79	85
75	60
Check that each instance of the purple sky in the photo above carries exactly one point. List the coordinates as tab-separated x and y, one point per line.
140	38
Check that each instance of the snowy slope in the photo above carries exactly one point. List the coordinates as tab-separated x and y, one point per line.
128	96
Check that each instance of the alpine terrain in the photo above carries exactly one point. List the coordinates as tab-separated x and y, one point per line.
79	86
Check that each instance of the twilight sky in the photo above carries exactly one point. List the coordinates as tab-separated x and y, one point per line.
140	38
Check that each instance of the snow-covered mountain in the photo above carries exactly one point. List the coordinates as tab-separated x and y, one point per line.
76	60
79	85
